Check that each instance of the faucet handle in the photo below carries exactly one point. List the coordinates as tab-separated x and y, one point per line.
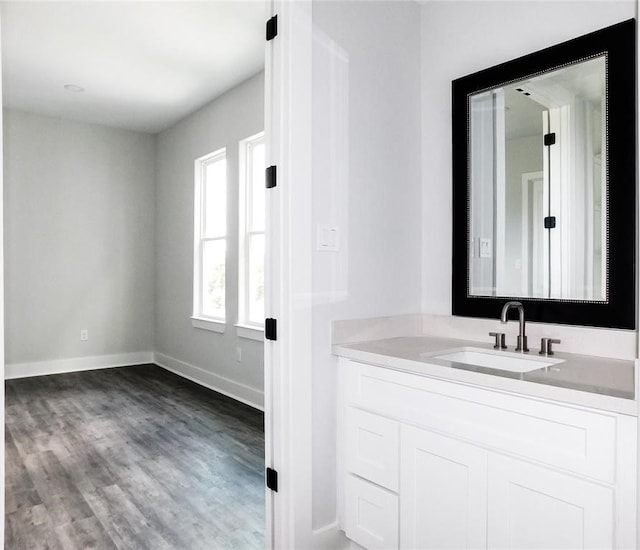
500	340
545	345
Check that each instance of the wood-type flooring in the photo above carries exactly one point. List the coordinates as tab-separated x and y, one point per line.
131	458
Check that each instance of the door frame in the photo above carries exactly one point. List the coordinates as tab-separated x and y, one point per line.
288	269
1	289
531	181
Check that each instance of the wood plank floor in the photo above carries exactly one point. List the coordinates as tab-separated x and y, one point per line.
131	458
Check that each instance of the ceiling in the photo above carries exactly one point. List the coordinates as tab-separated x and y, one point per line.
143	65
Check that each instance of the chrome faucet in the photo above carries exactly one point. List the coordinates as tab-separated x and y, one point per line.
504	317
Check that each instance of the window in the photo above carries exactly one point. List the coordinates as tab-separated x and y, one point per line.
252	224
210	243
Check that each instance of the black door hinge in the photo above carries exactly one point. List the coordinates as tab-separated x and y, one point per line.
272	28
272	479
550	222
550	139
270	177
271	329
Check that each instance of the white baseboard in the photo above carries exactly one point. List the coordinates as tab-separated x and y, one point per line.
230	388
74	364
240	392
330	537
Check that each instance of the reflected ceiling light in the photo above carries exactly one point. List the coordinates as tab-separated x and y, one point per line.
73	88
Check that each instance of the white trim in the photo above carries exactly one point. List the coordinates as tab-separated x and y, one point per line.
272	105
76	364
199	224
240	392
208	324
245	229
500	228
2	324
249	332
530	180
288	260
330	537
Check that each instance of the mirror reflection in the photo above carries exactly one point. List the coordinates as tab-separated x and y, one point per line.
538	186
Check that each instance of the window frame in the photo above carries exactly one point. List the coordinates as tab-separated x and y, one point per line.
199	319
246	327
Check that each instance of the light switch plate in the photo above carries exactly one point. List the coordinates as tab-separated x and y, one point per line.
485	248
328	238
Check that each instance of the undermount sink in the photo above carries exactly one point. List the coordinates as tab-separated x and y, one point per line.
501	360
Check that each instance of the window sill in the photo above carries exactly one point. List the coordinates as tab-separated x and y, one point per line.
208	324
250	332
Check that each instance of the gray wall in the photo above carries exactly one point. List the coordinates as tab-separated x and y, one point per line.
99	236
79	238
459	38
525	155
207	356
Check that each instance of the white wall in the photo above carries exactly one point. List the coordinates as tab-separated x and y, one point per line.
366	181
78	203
367	74
206	356
459	38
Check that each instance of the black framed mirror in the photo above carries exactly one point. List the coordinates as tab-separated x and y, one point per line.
544	178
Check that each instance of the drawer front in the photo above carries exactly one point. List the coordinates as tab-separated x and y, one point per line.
371	517
582	441
372	447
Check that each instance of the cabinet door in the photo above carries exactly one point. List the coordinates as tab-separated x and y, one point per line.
443	492
532	507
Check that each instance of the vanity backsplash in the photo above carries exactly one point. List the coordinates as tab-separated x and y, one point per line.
611	343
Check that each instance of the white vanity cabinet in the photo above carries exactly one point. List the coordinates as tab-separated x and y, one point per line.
534	507
428	463
443	492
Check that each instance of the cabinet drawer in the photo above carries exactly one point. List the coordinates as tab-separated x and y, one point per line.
371	515
579	440
372	447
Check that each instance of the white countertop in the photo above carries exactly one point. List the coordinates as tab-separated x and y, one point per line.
598	382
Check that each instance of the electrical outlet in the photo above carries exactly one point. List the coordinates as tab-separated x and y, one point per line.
84	335
239	355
